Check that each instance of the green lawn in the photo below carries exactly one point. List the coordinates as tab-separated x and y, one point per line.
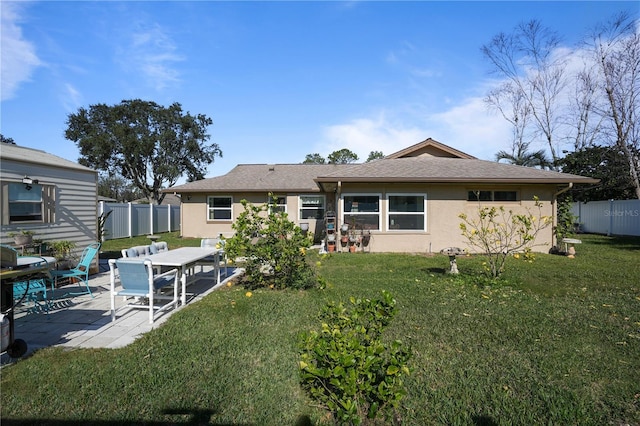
556	342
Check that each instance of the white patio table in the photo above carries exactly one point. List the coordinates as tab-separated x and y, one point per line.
183	258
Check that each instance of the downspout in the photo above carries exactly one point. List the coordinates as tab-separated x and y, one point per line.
337	197
554	211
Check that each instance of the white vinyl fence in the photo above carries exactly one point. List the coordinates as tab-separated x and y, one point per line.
612	217
130	220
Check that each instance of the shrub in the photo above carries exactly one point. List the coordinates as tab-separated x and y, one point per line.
347	368
498	233
274	248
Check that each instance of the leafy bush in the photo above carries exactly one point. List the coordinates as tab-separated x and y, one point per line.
347	368
498	233
274	248
565	221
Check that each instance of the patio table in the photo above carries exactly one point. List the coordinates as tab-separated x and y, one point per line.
183	258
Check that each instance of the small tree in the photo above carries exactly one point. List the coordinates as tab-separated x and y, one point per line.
498	233
274	248
347	368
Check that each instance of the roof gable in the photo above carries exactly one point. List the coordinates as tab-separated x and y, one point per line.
429	148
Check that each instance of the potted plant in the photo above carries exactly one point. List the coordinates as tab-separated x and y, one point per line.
61	250
22	237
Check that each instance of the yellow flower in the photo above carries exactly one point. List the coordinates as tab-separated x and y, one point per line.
318	263
248	294
229	284
516	256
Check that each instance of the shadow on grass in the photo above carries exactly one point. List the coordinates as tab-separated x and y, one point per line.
484	421
440	271
617	242
196	417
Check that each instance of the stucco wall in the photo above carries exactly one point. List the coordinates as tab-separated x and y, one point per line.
444	203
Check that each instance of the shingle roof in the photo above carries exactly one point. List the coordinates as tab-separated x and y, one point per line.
36	156
307	177
263	178
439	169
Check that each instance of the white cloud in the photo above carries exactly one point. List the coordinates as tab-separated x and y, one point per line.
152	52
71	98
19	59
470	128
363	135
467	127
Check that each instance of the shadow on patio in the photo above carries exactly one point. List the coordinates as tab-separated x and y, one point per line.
85	322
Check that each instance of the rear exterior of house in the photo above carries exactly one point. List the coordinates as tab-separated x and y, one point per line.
59	202
409	201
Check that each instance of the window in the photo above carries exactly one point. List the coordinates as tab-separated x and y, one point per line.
311	206
363	210
492	196
25	203
219	208
278	203
407	212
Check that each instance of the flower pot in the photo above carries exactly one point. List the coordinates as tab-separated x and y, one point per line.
344	228
352	248
344	240
22	240
331	246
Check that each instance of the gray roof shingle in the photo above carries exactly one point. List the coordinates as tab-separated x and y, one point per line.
306	177
440	169
263	178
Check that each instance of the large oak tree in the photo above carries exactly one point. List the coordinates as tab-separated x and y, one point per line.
150	145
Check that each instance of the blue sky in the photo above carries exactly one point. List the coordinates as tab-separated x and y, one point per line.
279	79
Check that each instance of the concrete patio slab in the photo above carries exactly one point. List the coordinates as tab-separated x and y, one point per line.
85	322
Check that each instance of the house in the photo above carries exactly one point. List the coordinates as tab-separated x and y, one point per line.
408	201
41	192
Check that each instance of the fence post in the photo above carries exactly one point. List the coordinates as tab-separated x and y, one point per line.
130	220
610	218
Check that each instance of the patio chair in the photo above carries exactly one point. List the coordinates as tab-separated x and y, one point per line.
139	283
81	271
214	260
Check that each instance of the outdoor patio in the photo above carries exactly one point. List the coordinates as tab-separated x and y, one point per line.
85	322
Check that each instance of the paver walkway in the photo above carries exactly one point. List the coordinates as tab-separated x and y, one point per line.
85	322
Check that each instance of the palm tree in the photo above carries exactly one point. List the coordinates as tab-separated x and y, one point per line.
520	156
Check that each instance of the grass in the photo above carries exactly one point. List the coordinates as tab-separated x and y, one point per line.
556	341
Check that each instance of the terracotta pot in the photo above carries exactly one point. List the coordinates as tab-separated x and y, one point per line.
352	248
331	247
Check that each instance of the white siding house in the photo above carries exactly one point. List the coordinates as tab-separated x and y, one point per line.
41	192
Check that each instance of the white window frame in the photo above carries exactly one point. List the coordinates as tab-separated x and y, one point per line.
213	209
389	212
492	193
362	194
34	189
270	202
323	206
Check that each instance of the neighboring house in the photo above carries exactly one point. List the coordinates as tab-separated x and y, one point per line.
41	192
409	200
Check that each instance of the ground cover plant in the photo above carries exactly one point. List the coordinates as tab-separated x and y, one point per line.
555	341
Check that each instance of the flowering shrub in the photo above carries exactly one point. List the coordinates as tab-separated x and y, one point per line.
274	248
347	368
498	233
